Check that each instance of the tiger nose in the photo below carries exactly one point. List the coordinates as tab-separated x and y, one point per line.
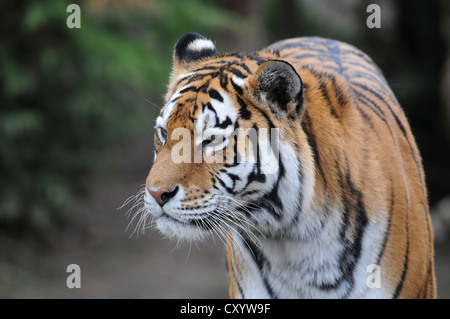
163	195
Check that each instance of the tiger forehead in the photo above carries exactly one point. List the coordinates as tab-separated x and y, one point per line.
224	68
195	98
201	81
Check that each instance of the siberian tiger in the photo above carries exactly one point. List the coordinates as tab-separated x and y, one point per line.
337	208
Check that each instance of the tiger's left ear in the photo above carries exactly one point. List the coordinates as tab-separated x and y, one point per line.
277	84
191	48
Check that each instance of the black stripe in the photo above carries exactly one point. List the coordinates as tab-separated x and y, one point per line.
324	92
234	178
388	230
353	252
236	87
238	284
271	201
374	77
223	81
399	287
261	261
236	157
207	68
243	112
307	128
397	120
227	122
314	55
366	117
256	175
318	74
253	191
352	237
381	98
251	56
188	89
209	107
236	72
201	76
338	91
229	189
215	95
371	105
244	66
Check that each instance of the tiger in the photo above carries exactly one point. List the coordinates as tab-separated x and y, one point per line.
336	208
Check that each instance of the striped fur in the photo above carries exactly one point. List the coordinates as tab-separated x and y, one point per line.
348	190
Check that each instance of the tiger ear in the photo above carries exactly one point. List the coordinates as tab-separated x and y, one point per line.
192	47
277	84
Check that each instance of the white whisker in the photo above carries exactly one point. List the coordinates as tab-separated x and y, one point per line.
154	104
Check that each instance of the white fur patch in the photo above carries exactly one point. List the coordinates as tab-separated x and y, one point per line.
201	44
184	76
238	80
224	109
168	109
204	126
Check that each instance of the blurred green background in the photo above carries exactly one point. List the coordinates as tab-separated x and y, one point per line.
77	110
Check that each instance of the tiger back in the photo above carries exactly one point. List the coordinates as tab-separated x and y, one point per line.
340	211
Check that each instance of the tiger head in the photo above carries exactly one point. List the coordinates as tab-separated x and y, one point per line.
222	141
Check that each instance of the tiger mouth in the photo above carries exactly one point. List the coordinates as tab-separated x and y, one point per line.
206	223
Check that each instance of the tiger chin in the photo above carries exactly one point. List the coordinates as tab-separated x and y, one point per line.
300	158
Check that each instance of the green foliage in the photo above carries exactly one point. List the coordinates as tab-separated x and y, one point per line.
67	93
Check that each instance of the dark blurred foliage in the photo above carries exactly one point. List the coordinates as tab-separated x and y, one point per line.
67	94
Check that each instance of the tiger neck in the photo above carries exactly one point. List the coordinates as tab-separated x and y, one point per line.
319	267
266	267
